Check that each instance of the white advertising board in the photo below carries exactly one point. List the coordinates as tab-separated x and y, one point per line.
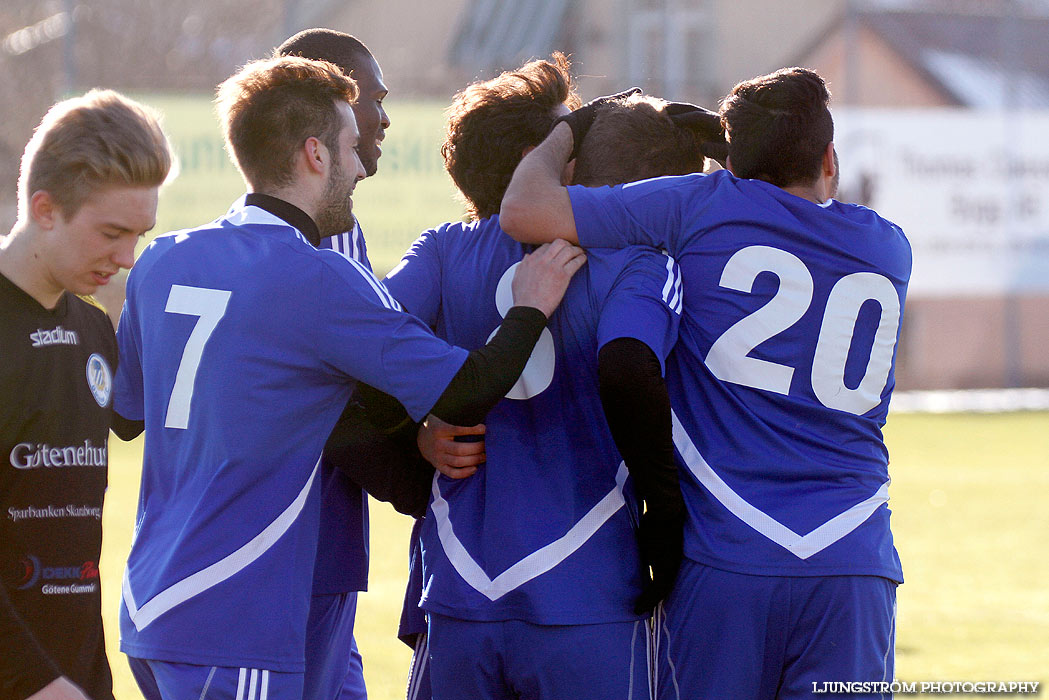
969	188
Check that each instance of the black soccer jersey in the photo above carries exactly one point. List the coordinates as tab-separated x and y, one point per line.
56	372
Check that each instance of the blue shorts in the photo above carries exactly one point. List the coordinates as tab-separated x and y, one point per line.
726	635
514	659
334	670
165	680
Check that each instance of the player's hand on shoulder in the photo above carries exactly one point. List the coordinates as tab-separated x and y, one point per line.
543	275
454	458
59	689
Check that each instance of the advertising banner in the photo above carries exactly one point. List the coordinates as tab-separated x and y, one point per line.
969	188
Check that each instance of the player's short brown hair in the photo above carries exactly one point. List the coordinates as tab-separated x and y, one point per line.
86	143
492	122
633	139
271	106
778	126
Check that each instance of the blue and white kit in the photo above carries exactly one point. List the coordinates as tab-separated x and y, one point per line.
240	343
544	532
781	378
780	385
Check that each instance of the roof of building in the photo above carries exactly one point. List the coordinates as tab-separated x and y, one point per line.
989	54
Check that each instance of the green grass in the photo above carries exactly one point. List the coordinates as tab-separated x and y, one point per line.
969	518
972	528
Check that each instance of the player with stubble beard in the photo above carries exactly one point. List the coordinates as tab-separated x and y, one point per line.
241	342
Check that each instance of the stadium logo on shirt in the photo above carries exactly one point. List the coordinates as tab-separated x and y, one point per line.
84	577
56	336
99	379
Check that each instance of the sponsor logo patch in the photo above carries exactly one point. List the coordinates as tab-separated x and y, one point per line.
28	455
84	575
52	512
99	379
56	336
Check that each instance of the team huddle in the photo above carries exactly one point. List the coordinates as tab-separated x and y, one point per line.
634	402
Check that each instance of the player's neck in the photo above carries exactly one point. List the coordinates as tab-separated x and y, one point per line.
20	262
818	191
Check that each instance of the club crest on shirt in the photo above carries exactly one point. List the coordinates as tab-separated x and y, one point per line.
99	379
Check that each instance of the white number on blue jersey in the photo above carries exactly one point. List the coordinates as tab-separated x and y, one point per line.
539	371
210	306
729	360
729	357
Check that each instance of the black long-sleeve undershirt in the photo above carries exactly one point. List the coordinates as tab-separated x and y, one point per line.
637	408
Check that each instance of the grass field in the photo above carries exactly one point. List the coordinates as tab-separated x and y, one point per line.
968	494
969	516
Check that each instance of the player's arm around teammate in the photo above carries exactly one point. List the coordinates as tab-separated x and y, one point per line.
241	343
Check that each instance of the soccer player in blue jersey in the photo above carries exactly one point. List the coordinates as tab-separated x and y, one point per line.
240	343
780	384
334	667
531	567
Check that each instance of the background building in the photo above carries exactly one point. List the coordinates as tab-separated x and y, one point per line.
941	108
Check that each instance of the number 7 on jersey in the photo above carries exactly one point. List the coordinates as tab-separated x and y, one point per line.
209	305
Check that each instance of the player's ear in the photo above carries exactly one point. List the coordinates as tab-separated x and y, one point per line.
316	155
43	209
830	164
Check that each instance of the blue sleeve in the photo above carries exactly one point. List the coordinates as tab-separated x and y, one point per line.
370	338
648	213
127	384
644	303
416	281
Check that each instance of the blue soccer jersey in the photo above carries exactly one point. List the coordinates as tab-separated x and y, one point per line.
544	532
781	378
342	552
240	343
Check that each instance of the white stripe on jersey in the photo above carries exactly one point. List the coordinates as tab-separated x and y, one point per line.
802	547
536	563
380	289
264	694
197	583
253	684
347	243
672	288
240	683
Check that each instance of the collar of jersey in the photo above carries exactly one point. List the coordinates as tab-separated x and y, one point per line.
286	212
